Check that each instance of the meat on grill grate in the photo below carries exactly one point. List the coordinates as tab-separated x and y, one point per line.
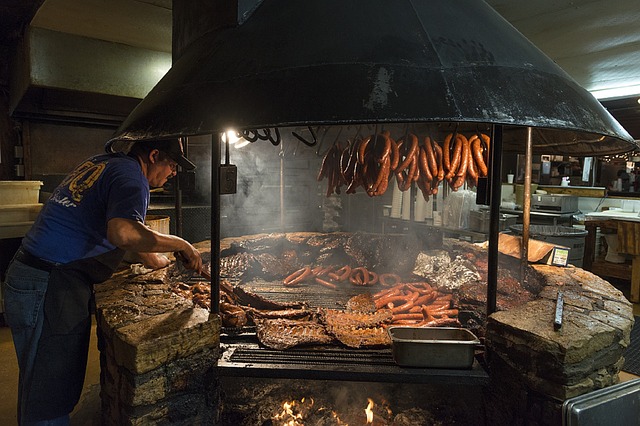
361	337
284	333
334	318
361	303
247	298
299	314
358	329
235	265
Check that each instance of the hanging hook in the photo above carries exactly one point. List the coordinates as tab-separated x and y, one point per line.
355	138
277	140
326	129
304	141
250	135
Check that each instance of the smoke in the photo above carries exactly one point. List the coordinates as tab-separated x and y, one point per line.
258	206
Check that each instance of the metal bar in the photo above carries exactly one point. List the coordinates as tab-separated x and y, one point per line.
526	205
495	194
215	223
377	368
557	321
282	183
177	192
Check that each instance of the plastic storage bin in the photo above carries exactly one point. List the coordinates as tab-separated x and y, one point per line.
20	191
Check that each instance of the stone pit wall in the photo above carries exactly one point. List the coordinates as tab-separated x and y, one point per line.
157	354
534	368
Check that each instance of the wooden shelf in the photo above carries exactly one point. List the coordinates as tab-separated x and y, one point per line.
603	268
579	191
626	231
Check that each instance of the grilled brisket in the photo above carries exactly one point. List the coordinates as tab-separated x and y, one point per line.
361	303
284	334
361	337
335	318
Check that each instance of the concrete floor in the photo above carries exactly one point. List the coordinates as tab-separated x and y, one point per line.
87	412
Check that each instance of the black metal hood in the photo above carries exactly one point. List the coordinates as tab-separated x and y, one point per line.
330	62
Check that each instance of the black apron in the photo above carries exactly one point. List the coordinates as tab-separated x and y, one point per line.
61	361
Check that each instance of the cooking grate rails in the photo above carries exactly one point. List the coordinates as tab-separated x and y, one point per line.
342	364
324	356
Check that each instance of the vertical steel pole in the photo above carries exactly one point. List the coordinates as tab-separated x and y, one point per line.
282	183
495	191
215	222
177	192
526	205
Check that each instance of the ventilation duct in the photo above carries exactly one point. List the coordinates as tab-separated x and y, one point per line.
59	76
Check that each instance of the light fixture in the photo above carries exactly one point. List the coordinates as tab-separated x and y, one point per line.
231	136
617	92
241	143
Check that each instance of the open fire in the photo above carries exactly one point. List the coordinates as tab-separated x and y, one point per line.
306	412
299	413
369	412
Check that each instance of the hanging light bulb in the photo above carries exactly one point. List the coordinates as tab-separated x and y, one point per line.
241	143
231	136
234	138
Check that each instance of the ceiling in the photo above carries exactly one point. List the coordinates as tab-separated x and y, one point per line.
597	42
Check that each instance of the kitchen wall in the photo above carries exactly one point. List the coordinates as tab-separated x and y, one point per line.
52	150
8	137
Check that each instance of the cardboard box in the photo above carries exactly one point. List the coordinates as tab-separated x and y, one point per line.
539	251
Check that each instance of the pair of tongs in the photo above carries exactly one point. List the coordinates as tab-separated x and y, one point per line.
189	273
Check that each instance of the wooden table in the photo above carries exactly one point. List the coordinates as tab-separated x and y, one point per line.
628	243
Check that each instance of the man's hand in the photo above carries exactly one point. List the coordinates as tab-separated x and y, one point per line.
134	236
190	258
154	260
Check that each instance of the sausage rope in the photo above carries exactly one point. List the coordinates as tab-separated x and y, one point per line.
371	162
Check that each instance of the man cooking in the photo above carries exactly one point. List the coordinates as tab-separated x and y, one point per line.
79	238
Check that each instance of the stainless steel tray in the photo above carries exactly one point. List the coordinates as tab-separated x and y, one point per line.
433	347
615	405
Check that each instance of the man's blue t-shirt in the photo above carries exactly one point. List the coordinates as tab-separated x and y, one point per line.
73	222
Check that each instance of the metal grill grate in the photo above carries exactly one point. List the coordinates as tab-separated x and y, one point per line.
242	356
324	356
251	360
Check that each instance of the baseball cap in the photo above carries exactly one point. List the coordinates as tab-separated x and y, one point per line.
173	148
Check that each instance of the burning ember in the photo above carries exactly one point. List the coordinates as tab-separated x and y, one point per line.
296	413
303	412
280	402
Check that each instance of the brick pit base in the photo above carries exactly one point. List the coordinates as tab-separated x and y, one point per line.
157	354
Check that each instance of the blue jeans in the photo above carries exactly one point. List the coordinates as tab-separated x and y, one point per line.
24	292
